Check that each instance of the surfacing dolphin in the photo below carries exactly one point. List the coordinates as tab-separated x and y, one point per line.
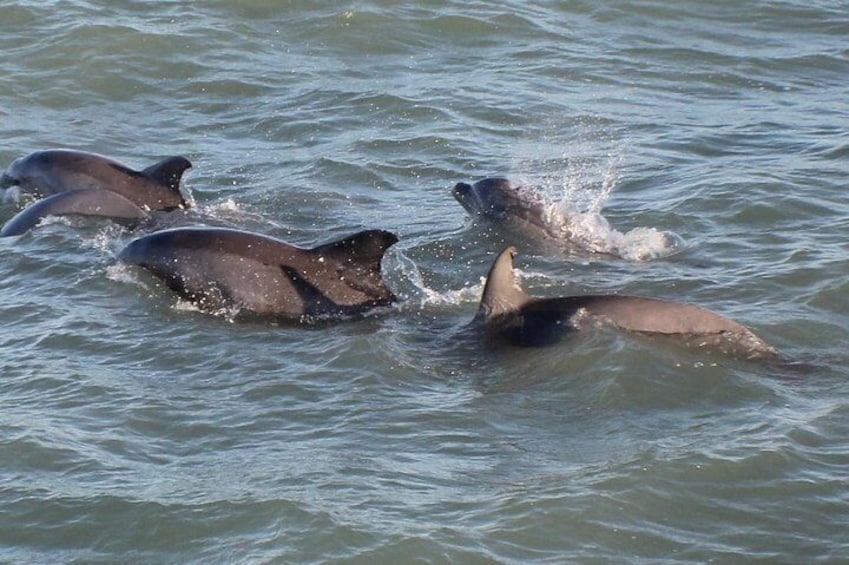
90	202
507	311
44	173
496	200
527	215
219	268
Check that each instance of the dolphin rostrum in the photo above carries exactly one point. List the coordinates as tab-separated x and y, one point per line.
224	268
89	202
48	172
507	311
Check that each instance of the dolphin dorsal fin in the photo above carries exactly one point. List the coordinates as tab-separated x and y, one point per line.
168	172
365	248
502	293
357	259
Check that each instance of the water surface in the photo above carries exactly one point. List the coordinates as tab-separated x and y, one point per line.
136	429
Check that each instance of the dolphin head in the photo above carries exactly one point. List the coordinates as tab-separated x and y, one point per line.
487	197
7	181
11	176
502	294
464	193
10	183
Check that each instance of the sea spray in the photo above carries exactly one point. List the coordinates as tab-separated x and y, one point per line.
574	187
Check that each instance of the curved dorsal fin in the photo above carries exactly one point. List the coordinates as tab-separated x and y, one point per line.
358	260
365	248
502	293
168	172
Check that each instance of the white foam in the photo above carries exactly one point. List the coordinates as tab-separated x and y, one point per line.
119	272
471	293
228	205
574	196
13	195
107	240
404	276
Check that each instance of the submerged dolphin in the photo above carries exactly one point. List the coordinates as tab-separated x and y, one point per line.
44	173
507	311
224	268
90	202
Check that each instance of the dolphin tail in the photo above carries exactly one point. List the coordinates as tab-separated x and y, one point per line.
168	172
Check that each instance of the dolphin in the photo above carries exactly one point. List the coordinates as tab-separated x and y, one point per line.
526	214
507	311
48	172
89	202
517	208
225	268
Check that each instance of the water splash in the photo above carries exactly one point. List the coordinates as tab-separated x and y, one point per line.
14	195
404	276
227	313
226	206
119	272
573	188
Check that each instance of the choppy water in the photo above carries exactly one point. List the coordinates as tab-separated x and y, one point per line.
136	430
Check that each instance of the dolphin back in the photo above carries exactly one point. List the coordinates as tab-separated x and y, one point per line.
168	172
90	202
506	310
699	326
224	268
51	171
359	259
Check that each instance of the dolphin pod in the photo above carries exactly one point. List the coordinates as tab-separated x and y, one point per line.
48	172
506	311
220	268
223	268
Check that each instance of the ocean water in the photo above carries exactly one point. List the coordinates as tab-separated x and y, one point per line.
135	429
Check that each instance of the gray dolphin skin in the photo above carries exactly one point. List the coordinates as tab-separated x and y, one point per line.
224	268
44	173
91	202
496	200
507	311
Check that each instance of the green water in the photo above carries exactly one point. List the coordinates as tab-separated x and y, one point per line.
135	429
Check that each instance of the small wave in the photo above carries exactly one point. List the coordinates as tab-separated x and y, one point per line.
228	205
119	272
228	211
13	195
452	297
404	275
228	314
66	221
107	240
